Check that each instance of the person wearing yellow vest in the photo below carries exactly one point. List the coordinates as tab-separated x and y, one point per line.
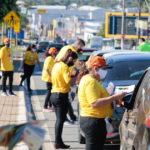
6	66
95	102
28	64
61	79
46	76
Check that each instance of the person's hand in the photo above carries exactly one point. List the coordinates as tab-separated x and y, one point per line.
7	138
120	96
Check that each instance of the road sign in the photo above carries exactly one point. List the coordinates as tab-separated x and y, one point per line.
20	36
41	11
122	36
11	19
17	27
141	24
54	24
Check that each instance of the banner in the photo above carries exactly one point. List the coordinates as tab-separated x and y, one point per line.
141	24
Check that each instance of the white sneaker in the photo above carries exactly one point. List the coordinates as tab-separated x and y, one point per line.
11	94
4	94
68	123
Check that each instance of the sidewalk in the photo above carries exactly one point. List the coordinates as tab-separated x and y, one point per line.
13	109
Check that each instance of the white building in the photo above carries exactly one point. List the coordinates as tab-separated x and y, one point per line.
88	8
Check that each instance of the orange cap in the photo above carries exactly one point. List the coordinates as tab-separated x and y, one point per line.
6	40
96	61
52	50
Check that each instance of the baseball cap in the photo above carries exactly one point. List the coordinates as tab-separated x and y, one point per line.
52	50
6	40
98	61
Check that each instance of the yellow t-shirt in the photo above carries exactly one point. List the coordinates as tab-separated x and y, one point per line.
30	58
62	52
6	59
60	78
89	91
48	64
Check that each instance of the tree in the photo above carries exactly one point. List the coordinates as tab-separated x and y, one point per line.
102	31
5	7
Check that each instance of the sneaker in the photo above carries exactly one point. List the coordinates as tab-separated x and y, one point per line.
74	121
4	94
112	135
47	110
68	123
11	94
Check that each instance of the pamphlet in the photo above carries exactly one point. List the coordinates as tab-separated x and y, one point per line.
32	133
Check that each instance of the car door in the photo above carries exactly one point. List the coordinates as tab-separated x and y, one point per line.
133	131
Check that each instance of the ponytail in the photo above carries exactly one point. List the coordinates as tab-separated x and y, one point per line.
29	48
84	71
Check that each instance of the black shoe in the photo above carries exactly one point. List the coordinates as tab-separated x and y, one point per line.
20	84
62	146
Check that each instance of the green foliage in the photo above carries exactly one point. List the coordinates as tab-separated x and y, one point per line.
102	31
5	7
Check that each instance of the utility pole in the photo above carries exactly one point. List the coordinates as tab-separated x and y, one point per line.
122	29
139	18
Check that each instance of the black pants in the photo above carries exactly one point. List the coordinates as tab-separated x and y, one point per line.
5	75
28	70
60	103
71	112
95	132
48	95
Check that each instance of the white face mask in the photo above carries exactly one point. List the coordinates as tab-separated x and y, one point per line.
102	73
34	50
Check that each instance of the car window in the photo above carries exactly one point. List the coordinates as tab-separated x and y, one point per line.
84	56
43	43
129	70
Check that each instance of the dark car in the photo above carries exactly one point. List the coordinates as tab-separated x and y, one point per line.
135	125
128	67
58	46
42	45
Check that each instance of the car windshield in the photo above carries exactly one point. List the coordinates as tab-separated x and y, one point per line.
43	43
128	70
84	56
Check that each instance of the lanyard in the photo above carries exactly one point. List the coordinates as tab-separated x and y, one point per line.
8	52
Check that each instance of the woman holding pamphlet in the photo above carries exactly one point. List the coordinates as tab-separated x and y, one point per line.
95	102
61	79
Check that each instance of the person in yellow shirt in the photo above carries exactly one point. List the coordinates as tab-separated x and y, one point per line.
61	79
95	102
46	76
76	47
6	66
28	64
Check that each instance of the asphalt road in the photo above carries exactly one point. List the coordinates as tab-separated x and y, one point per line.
70	133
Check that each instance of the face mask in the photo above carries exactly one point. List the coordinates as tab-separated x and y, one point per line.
34	50
102	73
139	43
8	45
70	64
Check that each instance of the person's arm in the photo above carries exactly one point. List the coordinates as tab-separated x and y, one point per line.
101	102
48	72
22	64
67	75
78	65
39	65
0	64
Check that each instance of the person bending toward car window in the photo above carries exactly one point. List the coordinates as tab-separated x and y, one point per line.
46	76
28	64
95	102
61	79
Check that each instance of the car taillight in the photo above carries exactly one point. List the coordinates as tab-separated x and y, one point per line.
38	46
